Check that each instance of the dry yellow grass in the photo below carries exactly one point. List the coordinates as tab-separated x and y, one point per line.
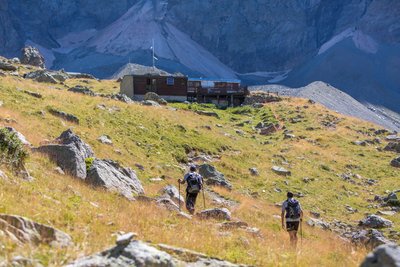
150	136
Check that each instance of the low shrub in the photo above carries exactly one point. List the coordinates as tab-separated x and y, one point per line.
12	150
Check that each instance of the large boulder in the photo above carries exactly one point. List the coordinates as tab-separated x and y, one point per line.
23	230
217	214
173	193
140	254
31	56
113	177
375	221
383	256
136	253
214	177
69	152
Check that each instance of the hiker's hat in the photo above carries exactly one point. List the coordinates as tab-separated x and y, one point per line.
192	167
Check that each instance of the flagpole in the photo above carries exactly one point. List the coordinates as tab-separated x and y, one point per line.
153	55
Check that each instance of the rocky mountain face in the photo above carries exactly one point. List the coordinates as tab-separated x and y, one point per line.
352	44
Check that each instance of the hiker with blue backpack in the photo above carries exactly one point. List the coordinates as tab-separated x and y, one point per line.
292	216
194	186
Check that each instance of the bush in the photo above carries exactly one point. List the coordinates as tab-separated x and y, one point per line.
89	163
12	150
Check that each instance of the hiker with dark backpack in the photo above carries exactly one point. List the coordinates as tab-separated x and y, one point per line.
194	185
292	215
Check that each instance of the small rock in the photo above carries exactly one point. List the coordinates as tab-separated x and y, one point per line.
150	103
124	240
254	171
105	139
3	175
360	143
395	162
386	212
281	171
59	170
19	135
217	213
208	113
64	115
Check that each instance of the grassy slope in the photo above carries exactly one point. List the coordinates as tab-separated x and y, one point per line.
155	138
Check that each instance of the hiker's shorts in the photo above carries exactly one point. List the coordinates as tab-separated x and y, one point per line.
292	226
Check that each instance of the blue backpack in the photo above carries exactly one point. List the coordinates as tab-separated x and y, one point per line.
293	209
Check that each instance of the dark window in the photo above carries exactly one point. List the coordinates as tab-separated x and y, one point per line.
170	81
148	82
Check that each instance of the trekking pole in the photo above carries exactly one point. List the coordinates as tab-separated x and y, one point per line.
301	233
179	200
204	199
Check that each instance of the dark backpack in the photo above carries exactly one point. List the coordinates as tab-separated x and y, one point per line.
293	209
194	183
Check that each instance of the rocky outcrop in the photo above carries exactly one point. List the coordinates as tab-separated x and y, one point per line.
113	177
23	230
69	152
216	214
375	221
213	177
383	256
31	56
137	253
